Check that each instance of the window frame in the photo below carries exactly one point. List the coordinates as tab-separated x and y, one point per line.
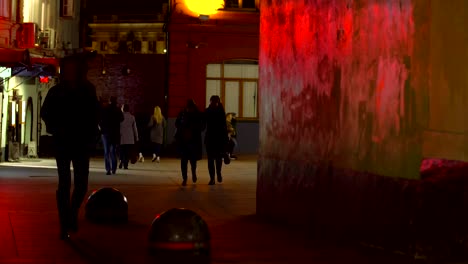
240	8
241	81
68	10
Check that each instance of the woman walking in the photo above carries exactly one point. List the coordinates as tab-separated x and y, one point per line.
189	125
157	124
216	137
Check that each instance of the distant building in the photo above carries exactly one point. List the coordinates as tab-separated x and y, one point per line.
33	35
215	52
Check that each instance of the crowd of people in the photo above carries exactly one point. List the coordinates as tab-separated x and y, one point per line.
119	131
75	130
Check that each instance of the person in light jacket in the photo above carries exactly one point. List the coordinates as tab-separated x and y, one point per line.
128	135
156	125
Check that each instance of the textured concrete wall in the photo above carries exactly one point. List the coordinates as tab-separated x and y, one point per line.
350	91
354	94
447	131
343	83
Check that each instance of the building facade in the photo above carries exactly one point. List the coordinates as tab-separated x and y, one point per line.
33	35
214	51
132	56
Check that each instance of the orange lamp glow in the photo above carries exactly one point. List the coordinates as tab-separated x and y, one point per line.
204	7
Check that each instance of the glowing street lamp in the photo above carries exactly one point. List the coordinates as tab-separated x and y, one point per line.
204	8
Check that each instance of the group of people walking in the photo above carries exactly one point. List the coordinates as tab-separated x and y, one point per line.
75	129
119	131
190	124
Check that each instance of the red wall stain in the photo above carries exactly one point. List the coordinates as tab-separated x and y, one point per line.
334	75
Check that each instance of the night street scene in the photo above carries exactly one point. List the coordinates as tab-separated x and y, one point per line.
233	131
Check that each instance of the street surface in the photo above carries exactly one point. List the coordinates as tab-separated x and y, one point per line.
29	221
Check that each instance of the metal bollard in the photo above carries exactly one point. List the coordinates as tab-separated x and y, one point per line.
179	235
107	205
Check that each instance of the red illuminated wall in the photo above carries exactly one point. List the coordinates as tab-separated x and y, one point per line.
353	96
344	84
193	45
341	80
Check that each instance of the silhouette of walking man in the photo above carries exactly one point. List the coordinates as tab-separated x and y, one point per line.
70	112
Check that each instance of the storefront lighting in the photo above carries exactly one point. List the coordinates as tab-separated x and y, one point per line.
23	112
13	113
5	72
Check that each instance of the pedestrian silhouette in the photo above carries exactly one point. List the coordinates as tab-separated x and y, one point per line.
70	112
189	126
110	133
216	138
157	123
128	136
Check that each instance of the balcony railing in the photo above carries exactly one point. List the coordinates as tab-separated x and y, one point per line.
129	18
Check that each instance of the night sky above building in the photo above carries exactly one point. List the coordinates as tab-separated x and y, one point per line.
124	6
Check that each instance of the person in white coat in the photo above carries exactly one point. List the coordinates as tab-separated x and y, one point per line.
128	136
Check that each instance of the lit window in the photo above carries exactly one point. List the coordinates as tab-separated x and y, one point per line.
252	4
66	8
236	82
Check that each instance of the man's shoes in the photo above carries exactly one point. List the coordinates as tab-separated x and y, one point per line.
212	182
219	178
141	158
113	171
108	173
157	159
194	178
120	165
184	183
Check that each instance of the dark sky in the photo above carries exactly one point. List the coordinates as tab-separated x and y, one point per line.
124	6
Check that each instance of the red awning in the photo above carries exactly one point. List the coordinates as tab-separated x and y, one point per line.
13	57
45	60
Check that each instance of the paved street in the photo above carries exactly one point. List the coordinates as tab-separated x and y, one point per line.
29	221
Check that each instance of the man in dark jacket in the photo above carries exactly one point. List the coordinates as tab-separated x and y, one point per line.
70	112
110	130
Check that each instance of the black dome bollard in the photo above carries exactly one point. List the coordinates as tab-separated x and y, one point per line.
107	205
179	235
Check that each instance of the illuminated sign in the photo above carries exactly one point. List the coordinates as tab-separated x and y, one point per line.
44	79
5	72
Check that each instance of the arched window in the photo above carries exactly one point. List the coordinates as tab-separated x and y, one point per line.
236	82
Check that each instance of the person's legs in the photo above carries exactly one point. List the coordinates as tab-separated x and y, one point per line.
183	168
193	165
107	153
81	174
157	151
125	154
62	158
233	147
211	169
219	165
113	156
